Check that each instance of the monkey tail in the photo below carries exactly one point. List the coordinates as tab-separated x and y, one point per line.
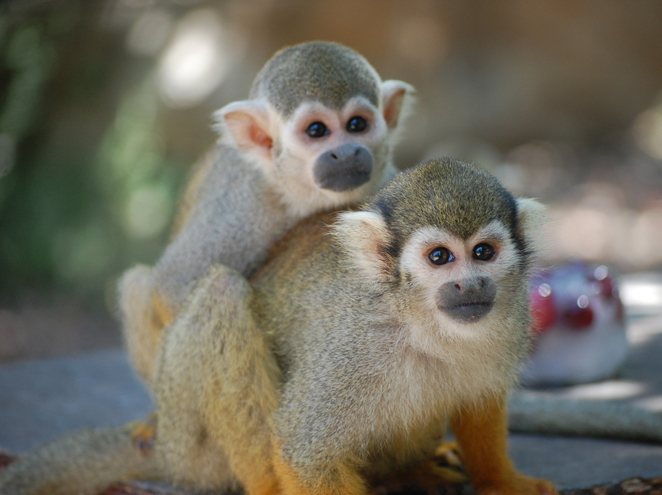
83	463
534	413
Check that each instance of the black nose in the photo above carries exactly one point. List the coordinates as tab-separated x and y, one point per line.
343	168
467	300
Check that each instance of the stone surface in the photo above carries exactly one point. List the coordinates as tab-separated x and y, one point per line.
43	399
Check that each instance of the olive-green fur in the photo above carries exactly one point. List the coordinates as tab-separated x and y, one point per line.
317	71
350	392
341	337
239	202
316	363
460	199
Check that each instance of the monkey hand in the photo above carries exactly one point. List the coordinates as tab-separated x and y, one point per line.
445	467
517	485
448	464
143	434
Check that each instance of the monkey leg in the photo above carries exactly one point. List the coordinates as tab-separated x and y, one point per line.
340	479
144	316
218	383
482	434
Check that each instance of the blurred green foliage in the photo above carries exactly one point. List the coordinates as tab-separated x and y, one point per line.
104	103
81	199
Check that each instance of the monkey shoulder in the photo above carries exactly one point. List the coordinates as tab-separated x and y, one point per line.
226	224
307	239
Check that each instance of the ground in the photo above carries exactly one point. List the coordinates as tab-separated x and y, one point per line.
43	398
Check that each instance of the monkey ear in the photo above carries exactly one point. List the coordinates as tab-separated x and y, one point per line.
364	236
531	218
397	97
245	125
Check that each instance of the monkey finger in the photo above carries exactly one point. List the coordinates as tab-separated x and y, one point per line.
143	434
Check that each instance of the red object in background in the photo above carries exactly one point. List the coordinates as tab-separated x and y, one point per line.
542	307
578	318
578	325
566	296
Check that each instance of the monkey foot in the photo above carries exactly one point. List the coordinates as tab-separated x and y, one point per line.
143	434
445	467
447	459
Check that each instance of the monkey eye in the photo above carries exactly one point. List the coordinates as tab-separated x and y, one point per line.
483	251
357	124
317	130
440	256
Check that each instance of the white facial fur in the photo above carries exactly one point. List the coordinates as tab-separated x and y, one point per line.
427	278
295	170
287	155
294	131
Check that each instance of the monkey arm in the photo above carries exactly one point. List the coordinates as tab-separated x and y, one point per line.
316	443
340	479
481	431
198	176
227	228
218	383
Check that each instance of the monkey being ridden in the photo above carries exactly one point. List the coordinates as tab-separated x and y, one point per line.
316	134
386	323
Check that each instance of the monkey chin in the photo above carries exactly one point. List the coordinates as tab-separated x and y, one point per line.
470	312
350	196
434	336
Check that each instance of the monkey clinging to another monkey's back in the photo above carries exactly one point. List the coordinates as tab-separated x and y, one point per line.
317	133
363	334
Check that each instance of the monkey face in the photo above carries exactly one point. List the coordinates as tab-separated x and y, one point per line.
460	281
319	153
447	250
335	152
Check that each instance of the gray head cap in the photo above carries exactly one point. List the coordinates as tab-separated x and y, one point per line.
317	71
451	195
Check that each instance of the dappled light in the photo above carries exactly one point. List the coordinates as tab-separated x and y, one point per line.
196	61
643	294
150	32
617	390
647	130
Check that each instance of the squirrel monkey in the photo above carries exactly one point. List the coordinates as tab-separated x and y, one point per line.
386	323
316	134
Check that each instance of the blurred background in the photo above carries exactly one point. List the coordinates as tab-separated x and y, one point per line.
105	106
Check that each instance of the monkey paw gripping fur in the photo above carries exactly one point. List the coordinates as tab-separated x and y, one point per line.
343	359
